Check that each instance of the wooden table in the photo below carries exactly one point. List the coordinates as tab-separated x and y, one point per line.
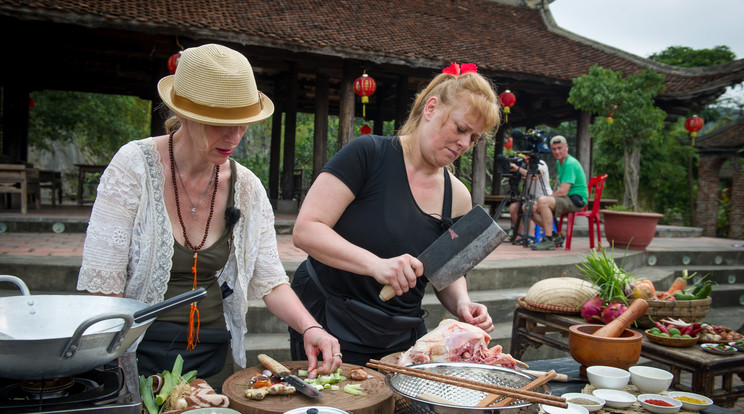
530	328
83	170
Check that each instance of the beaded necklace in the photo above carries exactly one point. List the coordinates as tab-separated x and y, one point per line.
193	337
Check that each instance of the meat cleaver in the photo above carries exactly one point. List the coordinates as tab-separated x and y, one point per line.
473	237
286	375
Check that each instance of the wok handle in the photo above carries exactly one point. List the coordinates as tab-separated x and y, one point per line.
16	281
73	345
177	301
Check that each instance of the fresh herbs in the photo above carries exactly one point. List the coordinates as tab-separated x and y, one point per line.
613	282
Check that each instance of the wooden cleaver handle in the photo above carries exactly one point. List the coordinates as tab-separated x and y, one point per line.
387	293
273	366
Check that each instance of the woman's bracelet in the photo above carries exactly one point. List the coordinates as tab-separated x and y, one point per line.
311	327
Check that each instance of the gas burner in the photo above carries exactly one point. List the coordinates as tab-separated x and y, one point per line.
113	389
46	389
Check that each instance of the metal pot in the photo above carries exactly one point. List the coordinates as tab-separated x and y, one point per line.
52	336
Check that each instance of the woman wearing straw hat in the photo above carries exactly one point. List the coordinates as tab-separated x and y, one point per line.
376	205
174	213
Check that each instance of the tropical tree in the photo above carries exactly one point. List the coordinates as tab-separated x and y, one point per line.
627	115
687	57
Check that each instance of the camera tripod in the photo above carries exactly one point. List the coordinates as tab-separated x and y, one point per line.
526	200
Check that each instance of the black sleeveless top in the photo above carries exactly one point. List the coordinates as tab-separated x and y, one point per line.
383	218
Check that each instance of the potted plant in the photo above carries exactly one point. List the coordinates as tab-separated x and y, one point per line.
629	229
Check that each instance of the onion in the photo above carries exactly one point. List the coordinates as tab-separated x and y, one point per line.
267	373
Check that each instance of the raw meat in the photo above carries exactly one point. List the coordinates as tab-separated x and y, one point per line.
454	341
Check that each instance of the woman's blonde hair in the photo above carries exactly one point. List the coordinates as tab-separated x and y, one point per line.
450	87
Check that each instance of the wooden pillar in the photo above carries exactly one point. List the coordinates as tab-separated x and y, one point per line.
15	121
498	149
346	107
479	173
290	133
737	200
379	118
401	102
320	133
276	141
584	143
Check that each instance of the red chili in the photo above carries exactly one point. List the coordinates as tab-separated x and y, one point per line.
662	327
659	403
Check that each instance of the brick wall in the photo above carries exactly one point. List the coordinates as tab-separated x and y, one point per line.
709	168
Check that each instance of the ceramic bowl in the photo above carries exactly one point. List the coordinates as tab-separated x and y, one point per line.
572	409
597	404
675	406
690	406
615	398
602	376
650	380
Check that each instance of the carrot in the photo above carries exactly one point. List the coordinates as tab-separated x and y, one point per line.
679	284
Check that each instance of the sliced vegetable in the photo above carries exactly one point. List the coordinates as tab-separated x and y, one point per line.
354	389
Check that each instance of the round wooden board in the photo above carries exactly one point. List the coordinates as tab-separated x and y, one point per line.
379	401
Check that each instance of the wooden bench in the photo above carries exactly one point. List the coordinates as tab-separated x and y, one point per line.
52	180
83	170
493	201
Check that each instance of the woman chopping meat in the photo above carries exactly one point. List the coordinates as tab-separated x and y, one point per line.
377	204
174	213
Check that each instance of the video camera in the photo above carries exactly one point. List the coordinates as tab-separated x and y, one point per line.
534	140
529	143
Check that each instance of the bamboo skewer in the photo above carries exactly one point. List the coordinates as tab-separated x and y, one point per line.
530	396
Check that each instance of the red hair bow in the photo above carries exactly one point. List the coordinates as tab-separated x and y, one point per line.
457	70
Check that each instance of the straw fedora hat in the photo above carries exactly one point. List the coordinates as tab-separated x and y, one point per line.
214	85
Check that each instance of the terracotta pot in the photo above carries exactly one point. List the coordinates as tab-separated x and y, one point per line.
588	349
629	229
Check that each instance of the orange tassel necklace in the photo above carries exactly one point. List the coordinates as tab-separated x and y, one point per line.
193	333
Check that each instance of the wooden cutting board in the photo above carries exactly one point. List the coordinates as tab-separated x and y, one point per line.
379	401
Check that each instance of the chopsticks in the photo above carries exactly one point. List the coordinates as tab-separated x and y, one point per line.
530	396
490	398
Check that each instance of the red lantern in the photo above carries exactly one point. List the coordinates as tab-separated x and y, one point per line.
365	129
508	100
509	144
694	124
31	103
173	62
364	86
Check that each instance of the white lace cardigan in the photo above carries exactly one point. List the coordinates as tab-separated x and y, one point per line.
129	242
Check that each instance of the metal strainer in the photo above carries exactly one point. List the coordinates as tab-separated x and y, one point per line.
413	395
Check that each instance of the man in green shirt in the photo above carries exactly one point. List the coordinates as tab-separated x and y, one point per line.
570	194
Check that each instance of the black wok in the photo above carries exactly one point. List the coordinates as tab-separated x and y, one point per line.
52	336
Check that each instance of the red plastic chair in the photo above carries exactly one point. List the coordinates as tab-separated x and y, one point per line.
596	184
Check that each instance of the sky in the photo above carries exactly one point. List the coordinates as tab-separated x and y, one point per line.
643	27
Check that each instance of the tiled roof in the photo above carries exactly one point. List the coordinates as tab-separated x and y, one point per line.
726	138
509	41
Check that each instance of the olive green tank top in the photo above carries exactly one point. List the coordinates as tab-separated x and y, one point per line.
210	261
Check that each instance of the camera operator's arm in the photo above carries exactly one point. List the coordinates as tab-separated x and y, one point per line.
562	191
515	168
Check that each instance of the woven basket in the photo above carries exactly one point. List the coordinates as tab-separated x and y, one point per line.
558	295
687	310
675	342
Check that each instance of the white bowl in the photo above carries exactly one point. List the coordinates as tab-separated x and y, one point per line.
676	405
572	409
602	376
690	406
650	380
597	405
615	398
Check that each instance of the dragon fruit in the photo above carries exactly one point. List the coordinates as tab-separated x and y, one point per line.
591	310
612	311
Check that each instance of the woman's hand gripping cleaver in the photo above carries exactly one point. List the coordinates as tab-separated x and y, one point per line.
473	237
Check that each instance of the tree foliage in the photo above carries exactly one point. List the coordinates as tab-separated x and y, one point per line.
97	123
627	116
688	57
